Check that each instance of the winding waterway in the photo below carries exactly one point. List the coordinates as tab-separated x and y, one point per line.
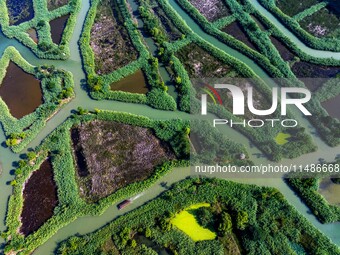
153	49
292	36
88	224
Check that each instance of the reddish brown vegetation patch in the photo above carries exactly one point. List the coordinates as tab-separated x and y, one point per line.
111	155
40	199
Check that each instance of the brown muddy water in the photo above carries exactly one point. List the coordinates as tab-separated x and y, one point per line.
57	28
135	83
20	91
33	34
330	191
78	153
40	199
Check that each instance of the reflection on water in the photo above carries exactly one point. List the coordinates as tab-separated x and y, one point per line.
20	91
57	28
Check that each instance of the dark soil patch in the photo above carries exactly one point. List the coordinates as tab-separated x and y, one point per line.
19	11
135	83
200	64
212	10
314	75
79	155
110	40
116	155
262	26
334	7
293	7
308	70
332	106
20	91
57	28
313	84
236	30
54	4
40	199
285	53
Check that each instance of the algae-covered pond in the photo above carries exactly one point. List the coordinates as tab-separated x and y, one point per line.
40	198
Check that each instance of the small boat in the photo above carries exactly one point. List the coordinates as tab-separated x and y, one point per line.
124	204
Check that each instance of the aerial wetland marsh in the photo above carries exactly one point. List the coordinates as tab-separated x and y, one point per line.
97	105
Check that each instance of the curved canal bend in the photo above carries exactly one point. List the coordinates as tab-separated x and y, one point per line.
292	36
88	224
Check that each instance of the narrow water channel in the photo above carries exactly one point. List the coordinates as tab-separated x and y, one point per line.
292	36
153	50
